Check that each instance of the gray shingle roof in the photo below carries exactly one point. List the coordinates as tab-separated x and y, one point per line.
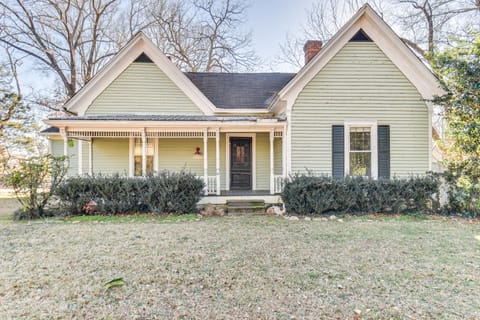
132	117
240	90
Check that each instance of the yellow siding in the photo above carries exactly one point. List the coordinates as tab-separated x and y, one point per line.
143	89
177	154
57	150
110	156
360	83
263	161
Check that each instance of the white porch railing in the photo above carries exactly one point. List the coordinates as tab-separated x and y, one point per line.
278	183
211	184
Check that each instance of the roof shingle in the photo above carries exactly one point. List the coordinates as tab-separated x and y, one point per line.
240	90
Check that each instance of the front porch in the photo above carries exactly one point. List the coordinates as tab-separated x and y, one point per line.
255	169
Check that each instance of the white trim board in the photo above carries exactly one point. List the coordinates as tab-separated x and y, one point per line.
254	157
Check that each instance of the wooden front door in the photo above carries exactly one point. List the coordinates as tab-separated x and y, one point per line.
240	163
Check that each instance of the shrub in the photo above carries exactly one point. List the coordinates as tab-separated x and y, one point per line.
168	192
34	181
463	192
307	194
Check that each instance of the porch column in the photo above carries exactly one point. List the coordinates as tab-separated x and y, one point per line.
272	177
65	141
80	157
205	159
144	153
217	159
90	156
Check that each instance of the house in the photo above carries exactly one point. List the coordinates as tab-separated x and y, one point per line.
359	106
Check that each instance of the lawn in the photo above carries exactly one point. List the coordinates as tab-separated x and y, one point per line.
240	267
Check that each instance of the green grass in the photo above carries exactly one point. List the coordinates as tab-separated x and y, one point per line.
254	267
131	218
8	204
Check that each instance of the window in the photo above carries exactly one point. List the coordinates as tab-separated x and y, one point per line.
361	148
137	156
360	152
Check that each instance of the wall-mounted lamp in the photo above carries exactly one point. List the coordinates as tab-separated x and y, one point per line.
197	154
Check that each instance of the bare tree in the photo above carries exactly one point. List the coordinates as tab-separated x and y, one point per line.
423	24
428	24
69	37
202	35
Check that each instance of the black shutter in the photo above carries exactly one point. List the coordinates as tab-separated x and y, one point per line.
338	151
384	152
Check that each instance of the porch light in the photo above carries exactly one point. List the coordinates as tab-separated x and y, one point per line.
197	155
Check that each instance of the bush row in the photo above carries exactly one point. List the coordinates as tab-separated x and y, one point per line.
167	192
306	195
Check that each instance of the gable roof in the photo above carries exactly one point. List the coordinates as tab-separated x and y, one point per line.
137	46
373	27
240	90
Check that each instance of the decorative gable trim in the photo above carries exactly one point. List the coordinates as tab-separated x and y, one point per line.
139	46
373	26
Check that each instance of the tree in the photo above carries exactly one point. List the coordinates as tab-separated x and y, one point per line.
459	68
35	181
15	117
68	37
424	25
202	35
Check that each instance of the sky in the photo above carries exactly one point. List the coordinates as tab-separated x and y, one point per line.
271	20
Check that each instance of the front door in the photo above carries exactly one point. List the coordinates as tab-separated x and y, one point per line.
240	163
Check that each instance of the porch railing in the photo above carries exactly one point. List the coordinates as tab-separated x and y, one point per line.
278	183
211	184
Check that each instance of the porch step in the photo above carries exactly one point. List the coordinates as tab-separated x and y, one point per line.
241	207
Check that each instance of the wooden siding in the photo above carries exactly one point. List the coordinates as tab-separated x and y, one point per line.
360	83
57	150
143	89
110	156
177	154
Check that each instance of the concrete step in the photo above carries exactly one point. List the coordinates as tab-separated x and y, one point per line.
241	207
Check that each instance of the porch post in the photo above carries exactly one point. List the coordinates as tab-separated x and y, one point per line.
205	159
144	153
272	178
65	141
217	159
80	157
90	156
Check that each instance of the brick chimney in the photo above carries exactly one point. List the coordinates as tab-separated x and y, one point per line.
311	48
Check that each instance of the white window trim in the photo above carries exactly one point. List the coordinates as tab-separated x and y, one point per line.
372	124
131	157
254	157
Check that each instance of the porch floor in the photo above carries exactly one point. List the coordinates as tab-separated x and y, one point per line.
245	193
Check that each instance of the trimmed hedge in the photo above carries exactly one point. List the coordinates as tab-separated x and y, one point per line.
307	195
167	192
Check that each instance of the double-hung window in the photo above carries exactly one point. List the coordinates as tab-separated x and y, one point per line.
361	149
